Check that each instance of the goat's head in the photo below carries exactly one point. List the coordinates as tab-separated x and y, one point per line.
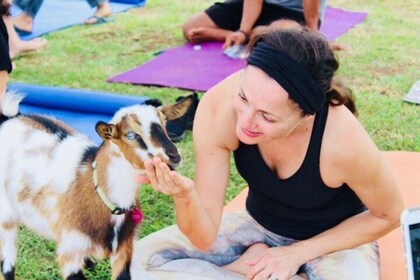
139	133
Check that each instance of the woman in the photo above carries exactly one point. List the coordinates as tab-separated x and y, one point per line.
5	61
320	193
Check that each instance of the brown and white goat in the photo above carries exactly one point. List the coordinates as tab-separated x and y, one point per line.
59	183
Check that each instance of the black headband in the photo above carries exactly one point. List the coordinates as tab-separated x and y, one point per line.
290	75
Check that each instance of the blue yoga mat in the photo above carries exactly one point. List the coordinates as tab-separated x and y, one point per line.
81	109
59	14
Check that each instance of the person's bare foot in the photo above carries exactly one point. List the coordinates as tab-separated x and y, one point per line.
23	22
20	46
103	11
239	266
204	34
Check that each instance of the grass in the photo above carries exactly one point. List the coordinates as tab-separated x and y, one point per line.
381	66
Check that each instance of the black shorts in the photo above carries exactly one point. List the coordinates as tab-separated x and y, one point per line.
227	15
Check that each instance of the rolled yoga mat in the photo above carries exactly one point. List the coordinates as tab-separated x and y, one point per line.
81	109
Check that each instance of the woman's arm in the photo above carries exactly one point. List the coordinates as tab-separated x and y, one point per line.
372	180
199	204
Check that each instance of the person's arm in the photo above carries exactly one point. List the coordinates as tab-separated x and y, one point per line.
360	164
199	204
311	9
250	14
4	76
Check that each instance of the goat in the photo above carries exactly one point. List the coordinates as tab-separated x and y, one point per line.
59	183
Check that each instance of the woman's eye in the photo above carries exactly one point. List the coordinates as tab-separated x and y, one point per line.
267	118
131	135
242	96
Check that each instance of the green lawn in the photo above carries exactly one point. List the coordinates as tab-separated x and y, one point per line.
382	64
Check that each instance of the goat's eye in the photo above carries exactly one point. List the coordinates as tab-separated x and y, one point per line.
131	135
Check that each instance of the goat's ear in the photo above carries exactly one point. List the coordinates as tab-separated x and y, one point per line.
106	131
169	111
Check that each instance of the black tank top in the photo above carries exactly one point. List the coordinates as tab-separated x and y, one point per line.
300	206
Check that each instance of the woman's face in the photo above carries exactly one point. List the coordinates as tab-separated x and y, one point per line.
264	110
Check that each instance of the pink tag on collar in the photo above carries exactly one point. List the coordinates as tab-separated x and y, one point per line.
137	216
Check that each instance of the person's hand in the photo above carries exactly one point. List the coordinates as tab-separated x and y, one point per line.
166	181
279	263
143	179
235	38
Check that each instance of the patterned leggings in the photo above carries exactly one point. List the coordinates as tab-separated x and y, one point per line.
168	254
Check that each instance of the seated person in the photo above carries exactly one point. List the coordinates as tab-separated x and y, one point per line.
320	193
236	21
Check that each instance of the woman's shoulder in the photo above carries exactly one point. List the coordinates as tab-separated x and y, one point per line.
346	148
215	114
224	89
345	138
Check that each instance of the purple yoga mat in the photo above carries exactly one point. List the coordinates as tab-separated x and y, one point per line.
190	68
184	67
337	22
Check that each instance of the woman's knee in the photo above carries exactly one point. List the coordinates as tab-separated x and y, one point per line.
358	263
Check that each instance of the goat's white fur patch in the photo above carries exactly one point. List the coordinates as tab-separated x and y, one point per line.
35	220
123	175
73	266
10	103
73	241
9	249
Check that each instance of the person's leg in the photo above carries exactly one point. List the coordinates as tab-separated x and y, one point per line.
239	266
359	263
25	20
275	17
168	254
215	23
18	46
103	10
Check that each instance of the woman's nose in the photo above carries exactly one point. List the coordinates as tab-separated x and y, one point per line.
247	117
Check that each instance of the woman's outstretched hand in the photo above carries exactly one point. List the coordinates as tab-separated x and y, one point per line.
165	180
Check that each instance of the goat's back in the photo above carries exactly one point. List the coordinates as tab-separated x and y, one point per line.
40	158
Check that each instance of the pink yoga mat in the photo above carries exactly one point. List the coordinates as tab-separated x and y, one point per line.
200	68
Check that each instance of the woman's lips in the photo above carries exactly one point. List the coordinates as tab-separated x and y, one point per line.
250	133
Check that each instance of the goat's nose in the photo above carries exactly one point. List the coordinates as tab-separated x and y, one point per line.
173	154
174	157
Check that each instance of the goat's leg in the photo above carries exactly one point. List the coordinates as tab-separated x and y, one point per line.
9	229
71	252
72	266
121	260
90	264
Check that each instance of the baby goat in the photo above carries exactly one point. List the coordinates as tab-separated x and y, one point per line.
58	183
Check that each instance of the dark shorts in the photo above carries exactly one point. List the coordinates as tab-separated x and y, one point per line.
227	15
